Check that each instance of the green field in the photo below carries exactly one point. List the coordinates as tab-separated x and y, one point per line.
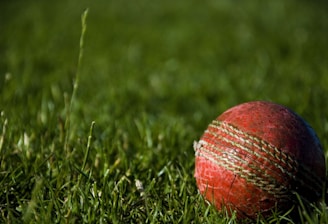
150	76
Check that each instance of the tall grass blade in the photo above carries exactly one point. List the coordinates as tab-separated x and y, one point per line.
76	80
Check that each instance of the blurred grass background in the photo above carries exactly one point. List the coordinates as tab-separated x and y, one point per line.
153	75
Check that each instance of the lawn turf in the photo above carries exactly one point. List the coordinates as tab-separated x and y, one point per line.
152	76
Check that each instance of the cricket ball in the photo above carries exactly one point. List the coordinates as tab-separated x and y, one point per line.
256	157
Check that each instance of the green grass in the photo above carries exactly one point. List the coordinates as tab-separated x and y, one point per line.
152	76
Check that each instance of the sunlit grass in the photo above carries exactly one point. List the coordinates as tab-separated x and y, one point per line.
109	139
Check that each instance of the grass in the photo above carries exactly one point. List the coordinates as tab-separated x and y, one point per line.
152	76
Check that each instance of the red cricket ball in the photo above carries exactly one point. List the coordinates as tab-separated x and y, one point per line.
255	156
